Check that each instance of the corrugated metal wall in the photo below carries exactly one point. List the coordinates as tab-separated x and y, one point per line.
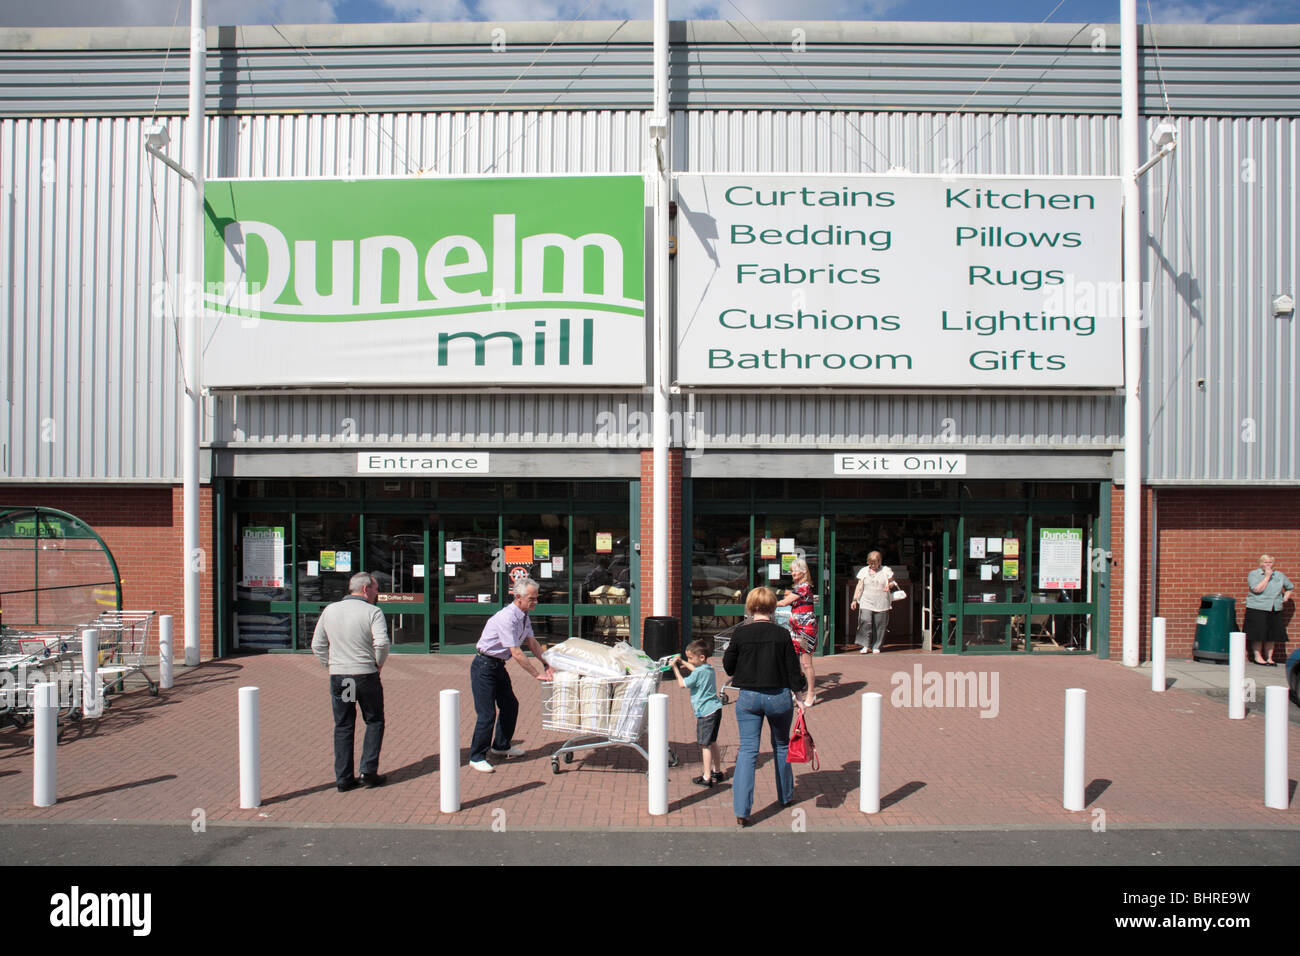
1056	68
1223	371
89	355
90	241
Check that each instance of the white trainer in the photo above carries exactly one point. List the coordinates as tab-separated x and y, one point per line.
512	752
482	766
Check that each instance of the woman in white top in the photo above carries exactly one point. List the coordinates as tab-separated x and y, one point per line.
874	584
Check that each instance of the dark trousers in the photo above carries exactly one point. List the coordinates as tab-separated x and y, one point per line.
347	692
492	693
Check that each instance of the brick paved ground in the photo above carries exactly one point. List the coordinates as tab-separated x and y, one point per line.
1170	758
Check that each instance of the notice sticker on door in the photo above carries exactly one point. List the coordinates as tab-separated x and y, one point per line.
546	570
417	570
343	561
313	569
767	548
519	554
449	570
453	552
557	563
604	542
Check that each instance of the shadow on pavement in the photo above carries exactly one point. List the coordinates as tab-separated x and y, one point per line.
120	787
830	688
1095	790
501	795
901	794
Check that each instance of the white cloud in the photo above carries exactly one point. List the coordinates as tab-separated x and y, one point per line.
162	13
1210	12
782	10
564	10
436	11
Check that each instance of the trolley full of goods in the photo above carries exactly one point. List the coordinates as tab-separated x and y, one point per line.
600	697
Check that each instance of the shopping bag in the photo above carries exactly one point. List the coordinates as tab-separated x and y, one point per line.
801	748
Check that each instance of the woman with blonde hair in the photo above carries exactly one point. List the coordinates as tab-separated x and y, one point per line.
765	669
803	624
874	584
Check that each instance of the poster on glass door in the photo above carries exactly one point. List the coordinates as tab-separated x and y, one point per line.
1060	559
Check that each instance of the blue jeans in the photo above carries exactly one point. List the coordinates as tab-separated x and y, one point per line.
752	706
492	692
347	693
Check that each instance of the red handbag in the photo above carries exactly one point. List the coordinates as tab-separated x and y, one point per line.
801	748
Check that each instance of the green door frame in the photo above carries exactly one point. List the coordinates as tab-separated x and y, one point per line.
227	508
954	511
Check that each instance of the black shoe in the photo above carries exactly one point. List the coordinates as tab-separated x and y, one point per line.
742	821
702	780
349	784
372	780
720	776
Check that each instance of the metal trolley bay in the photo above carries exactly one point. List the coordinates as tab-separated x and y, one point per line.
599	712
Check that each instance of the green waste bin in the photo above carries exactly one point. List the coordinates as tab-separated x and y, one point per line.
1216	619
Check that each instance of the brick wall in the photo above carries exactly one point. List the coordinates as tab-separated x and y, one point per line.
1209	540
674	532
143	528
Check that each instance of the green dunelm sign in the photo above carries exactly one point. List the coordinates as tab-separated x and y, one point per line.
501	280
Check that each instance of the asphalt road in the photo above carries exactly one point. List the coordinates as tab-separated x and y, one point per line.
105	844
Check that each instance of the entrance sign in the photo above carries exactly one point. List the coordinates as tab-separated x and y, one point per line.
407	463
1060	559
917	281
876	465
502	280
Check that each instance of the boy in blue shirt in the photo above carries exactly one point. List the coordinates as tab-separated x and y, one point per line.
703	687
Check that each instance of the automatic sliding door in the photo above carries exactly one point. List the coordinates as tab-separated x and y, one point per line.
395	555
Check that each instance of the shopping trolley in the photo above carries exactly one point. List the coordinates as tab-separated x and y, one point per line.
722	640
123	647
28	658
600	712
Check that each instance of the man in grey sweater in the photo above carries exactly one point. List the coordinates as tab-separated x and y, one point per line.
351	640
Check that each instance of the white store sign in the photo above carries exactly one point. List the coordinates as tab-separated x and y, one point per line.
408	463
868	464
918	281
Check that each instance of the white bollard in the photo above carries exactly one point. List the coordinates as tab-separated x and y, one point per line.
1158	655
869	797
1237	675
658	776
250	750
449	749
92	701
46	729
165	652
1076	700
1275	757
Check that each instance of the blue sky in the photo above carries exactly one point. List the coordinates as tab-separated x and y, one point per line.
164	12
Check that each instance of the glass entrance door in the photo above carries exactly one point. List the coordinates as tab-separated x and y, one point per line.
397	555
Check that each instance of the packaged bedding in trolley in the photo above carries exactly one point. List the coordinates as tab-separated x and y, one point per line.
599	696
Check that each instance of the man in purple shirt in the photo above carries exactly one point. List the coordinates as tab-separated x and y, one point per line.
503	635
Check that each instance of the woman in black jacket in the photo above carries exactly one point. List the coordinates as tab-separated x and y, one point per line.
764	667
